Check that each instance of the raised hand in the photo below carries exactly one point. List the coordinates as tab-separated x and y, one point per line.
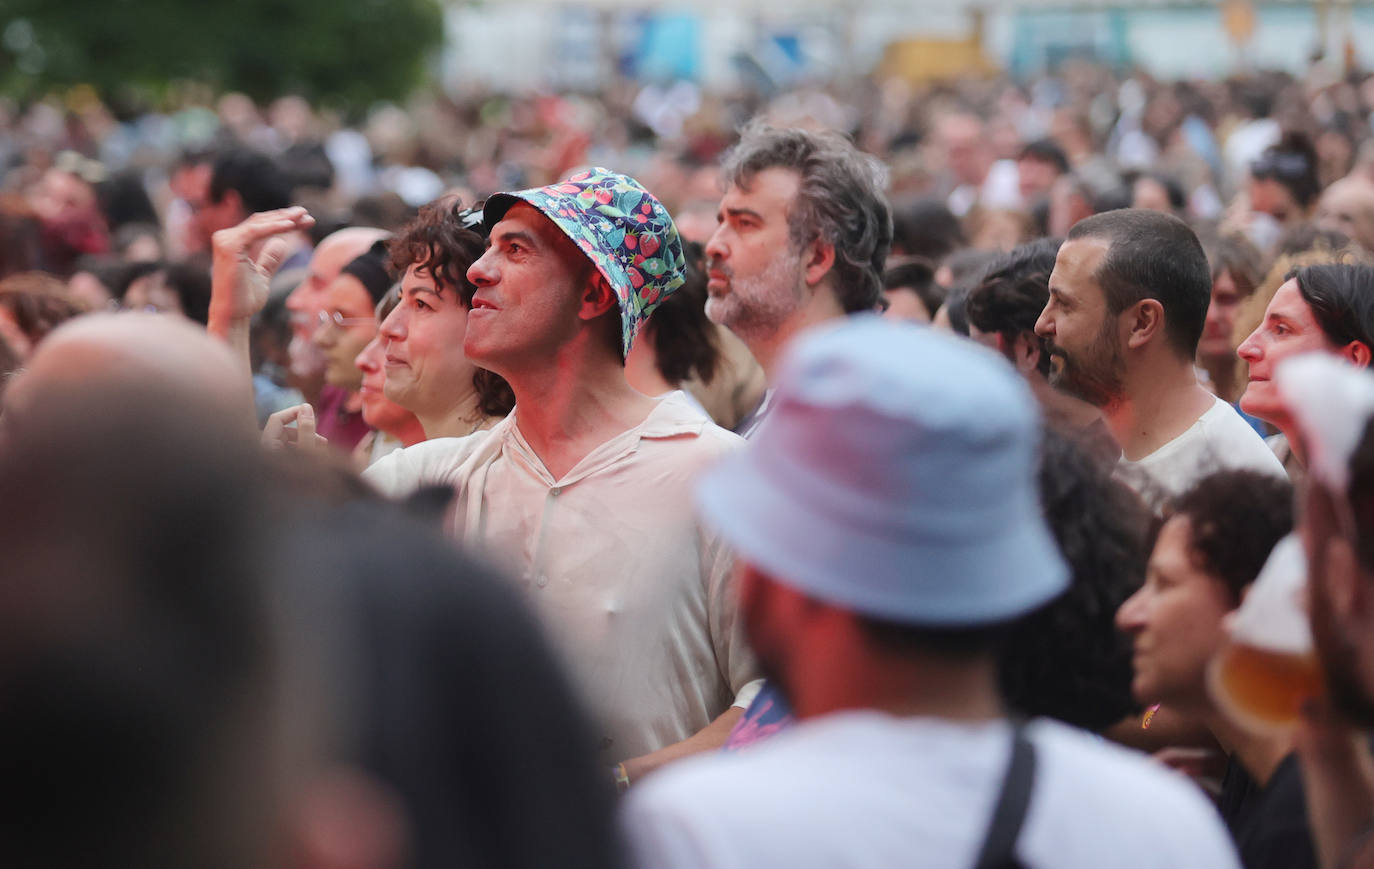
278	434
240	282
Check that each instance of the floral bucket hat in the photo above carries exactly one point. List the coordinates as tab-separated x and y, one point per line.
621	227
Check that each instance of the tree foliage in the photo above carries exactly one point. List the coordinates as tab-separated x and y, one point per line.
350	51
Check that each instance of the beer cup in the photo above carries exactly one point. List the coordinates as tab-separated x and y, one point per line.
1268	668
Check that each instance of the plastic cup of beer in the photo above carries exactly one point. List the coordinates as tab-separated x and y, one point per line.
1268	669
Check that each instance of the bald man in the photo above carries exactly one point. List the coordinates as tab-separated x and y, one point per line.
1348	206
133	353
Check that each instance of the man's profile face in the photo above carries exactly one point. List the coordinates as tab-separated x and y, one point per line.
754	273
1175	622
1081	336
310	296
530	283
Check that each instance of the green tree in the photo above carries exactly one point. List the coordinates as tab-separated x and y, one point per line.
353	51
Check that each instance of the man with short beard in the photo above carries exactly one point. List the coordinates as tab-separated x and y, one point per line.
1128	301
803	237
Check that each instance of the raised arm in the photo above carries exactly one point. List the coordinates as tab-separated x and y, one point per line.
239	281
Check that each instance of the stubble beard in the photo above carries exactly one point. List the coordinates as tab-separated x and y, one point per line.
756	307
1096	375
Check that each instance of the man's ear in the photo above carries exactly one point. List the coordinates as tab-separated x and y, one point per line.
1025	352
818	258
1143	323
597	297
1357	353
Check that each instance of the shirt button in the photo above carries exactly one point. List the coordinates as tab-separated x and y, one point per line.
542	581
556	490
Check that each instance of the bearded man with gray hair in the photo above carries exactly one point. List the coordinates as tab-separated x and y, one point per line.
803	235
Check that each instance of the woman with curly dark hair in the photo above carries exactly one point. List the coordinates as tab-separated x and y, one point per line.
426	370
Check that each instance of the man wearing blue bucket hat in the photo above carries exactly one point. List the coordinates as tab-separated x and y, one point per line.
585	489
888	520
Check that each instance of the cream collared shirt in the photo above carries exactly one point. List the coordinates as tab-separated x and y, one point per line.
633	588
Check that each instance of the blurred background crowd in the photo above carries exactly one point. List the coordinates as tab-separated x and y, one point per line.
110	190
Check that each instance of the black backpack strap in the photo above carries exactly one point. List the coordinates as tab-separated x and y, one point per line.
999	844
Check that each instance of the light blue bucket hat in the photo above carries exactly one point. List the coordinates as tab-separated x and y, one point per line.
895	476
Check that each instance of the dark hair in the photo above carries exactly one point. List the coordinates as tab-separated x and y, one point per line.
1235	517
1067	660
420	630
306	164
440	241
1046	151
1341	297
132	272
1234	254
840	200
917	275
967	267
255	177
1012	295
125	202
1153	256
191	283
137	677
1292	162
685	341
370	269
926	228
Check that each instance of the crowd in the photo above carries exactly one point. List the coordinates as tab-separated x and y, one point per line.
959	475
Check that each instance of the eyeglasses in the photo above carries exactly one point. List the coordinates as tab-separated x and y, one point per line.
333	319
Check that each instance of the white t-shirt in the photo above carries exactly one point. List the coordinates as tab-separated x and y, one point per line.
866	789
637	593
1219	440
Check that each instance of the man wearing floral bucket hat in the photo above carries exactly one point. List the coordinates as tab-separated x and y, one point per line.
585	489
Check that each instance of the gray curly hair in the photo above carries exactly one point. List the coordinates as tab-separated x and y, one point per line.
840	201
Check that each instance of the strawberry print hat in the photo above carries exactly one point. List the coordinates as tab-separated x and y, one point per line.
621	227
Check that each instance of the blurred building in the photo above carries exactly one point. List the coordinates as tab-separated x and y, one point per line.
715	43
